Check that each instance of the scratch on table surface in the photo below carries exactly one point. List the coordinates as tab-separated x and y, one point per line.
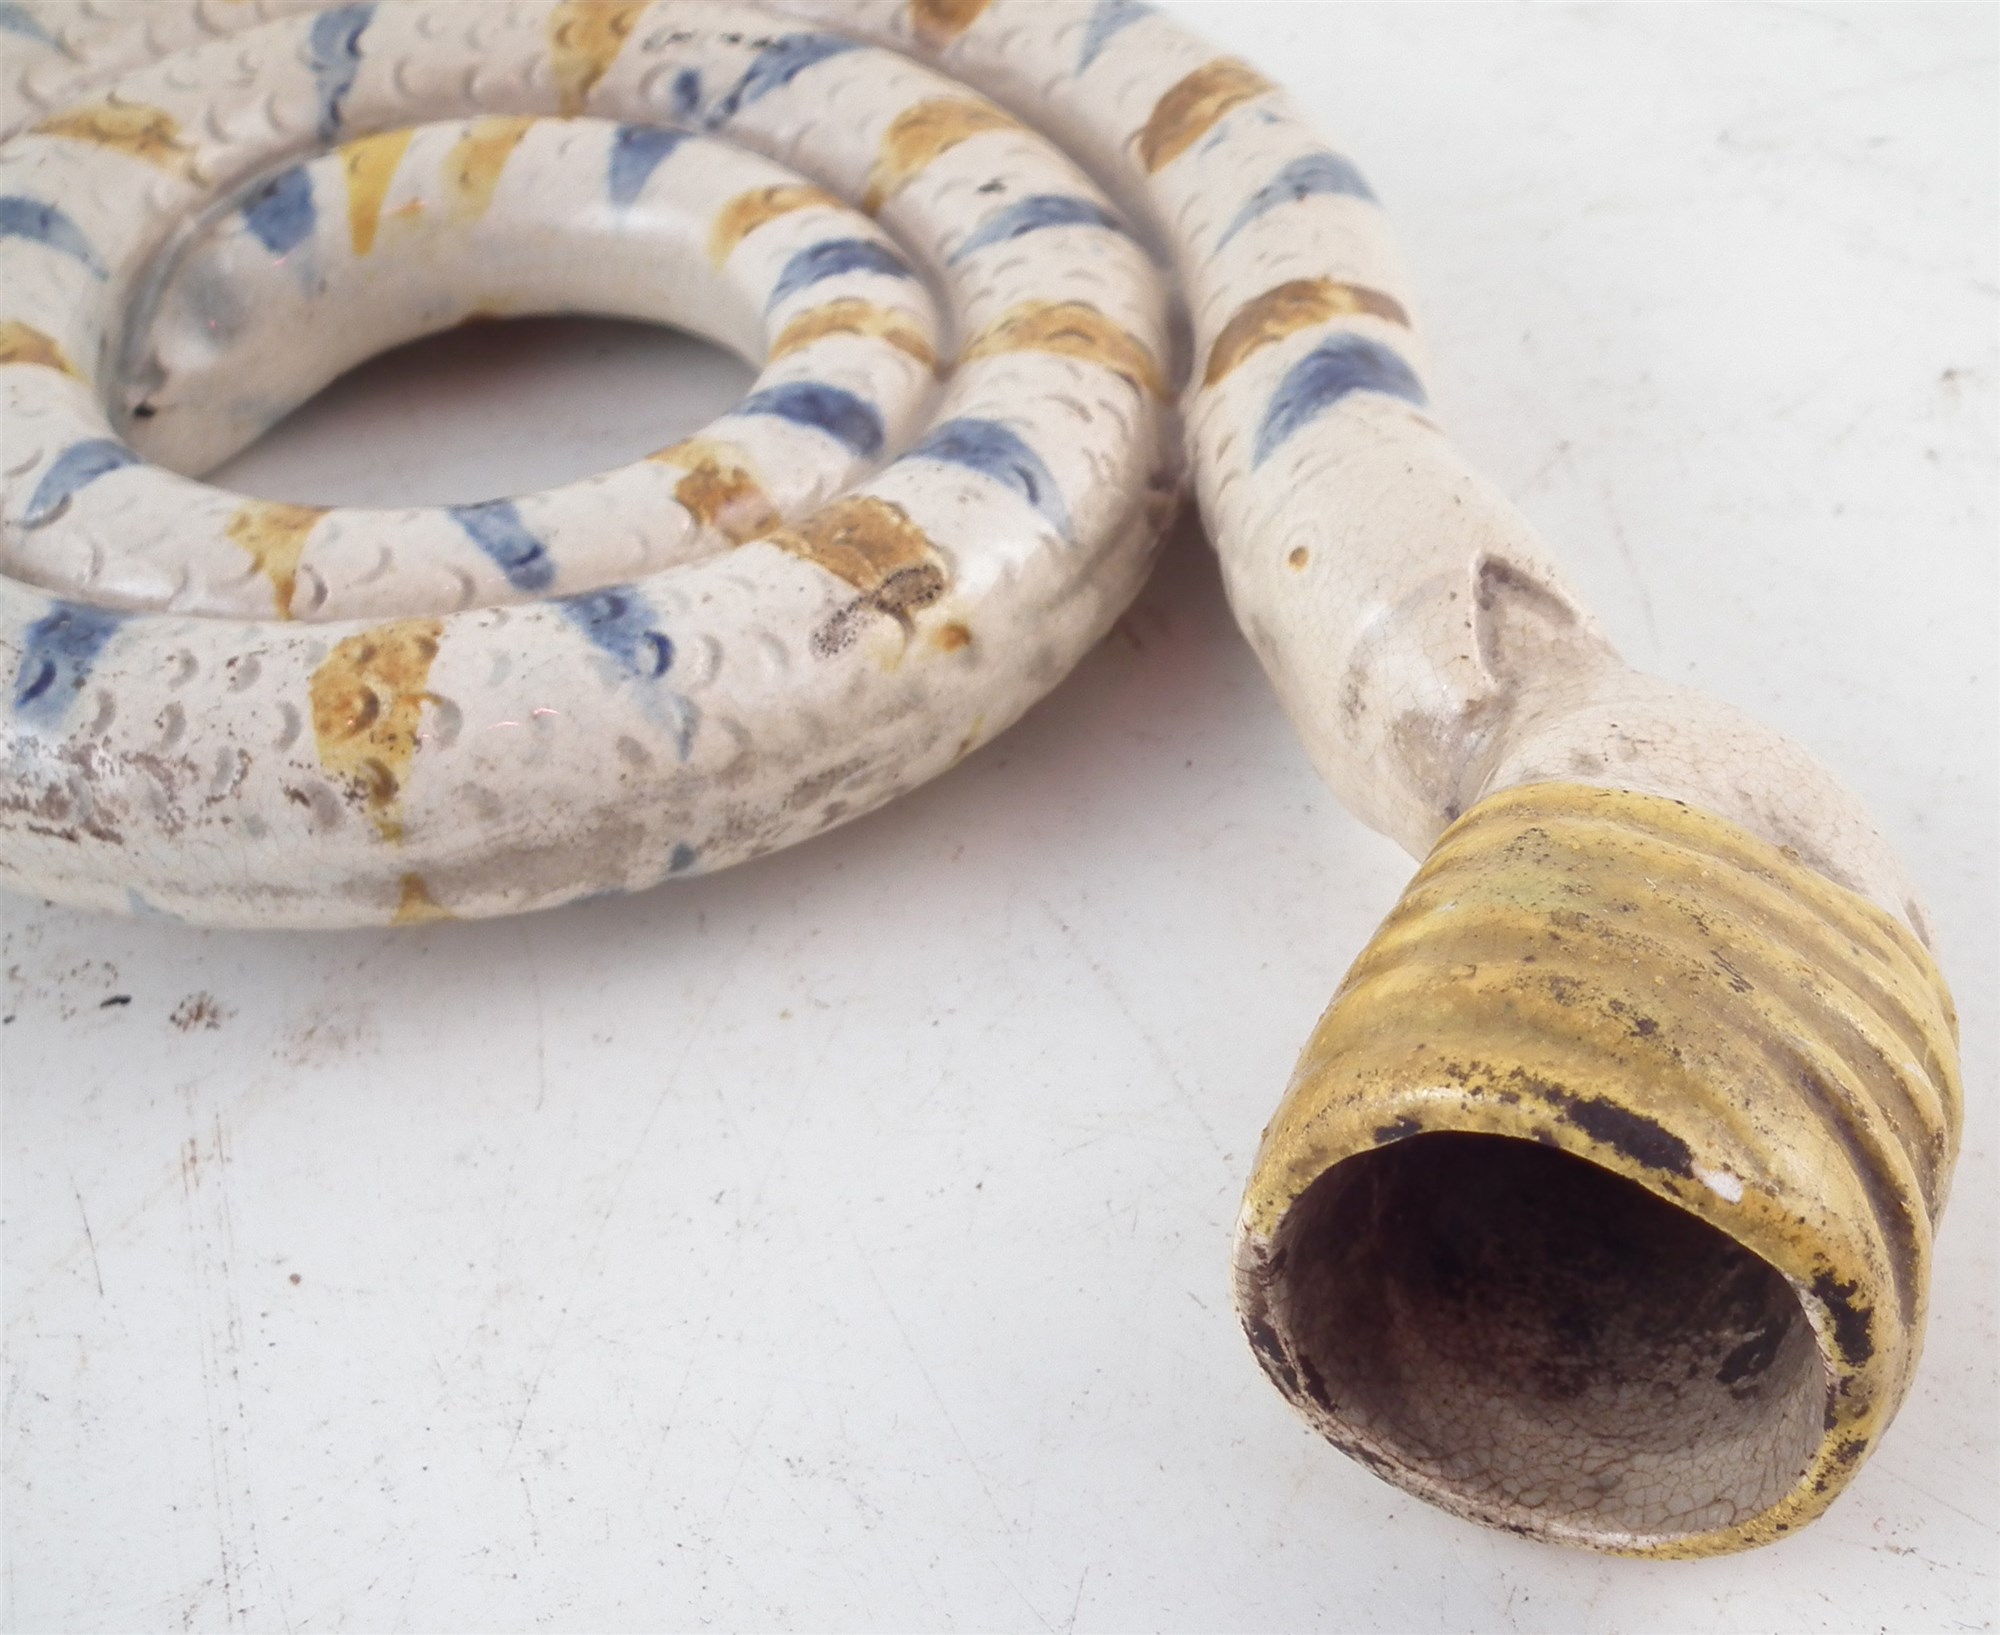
840	1557
965	1450
172	1175
1632	566
534	1521
96	1271
1160	1057
1532	481
1883	1469
1076	1602
1982	64
211	1236
541	1036
745	1449
593	1254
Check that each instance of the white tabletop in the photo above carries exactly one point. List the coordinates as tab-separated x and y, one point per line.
840	1242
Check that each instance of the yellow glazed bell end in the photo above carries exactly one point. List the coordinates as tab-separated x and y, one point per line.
1601	1204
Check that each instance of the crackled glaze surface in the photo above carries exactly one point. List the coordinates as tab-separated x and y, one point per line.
998	261
1627	981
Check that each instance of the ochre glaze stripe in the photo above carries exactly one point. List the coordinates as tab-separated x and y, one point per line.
1193	107
1073	329
919	134
720	490
274	535
747	212
367	704
853	316
150	134
1290	308
416	905
472	168
21	343
370	165
938	22
869	542
585	37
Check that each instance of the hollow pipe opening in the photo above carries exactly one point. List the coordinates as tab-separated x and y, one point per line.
1530	1339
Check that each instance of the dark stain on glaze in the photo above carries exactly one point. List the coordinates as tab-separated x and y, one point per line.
1753	1357
1853	1323
1642	1139
1271	1353
902	594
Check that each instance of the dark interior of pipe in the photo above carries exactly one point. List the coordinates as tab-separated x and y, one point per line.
1554	1344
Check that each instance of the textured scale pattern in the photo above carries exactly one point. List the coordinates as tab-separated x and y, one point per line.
1011	272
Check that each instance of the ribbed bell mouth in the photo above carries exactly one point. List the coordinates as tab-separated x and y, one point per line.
1538	1342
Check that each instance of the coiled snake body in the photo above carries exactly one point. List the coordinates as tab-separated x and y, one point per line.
1001	261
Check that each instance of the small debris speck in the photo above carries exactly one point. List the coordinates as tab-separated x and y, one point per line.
198	1010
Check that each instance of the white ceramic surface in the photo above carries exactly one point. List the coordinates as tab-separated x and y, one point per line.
646	709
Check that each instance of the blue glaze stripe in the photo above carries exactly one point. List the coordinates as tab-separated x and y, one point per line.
77	467
830	259
636	152
281	211
1031	215
1330	372
1107	17
686	93
618	621
495	526
333	53
58	652
775	67
41	223
17	19
850	420
997	451
1304	178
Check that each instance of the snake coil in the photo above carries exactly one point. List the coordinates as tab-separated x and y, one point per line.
1601	1204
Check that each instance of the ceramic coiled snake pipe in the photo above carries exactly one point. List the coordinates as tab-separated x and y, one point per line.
1601	1204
